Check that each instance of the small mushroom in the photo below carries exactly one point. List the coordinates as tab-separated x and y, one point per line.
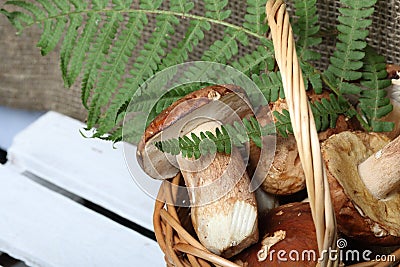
361	169
223	210
285	176
394	96
287	239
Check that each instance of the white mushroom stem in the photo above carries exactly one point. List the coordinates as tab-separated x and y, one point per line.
224	211
381	172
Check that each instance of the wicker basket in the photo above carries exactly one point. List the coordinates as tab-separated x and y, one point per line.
180	247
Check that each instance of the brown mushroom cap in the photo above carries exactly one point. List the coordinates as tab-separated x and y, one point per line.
299	236
359	215
171	120
393	71
286	176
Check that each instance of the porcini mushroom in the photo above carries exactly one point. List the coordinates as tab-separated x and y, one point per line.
287	239
286	175
354	160
228	225
181	113
223	210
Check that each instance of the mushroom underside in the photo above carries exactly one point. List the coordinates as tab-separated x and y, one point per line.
359	214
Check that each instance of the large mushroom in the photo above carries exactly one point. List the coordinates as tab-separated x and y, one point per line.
287	239
223	210
201	104
364	177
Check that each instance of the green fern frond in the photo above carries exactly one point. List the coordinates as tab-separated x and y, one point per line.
81	48
255	17
98	42
67	47
221	141
112	72
18	19
306	28
374	101
327	111
283	124
48	7
97	55
36	12
258	60
270	85
144	67
311	77
222	50
346	61
215	9
193	36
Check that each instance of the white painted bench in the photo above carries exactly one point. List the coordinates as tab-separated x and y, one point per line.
43	226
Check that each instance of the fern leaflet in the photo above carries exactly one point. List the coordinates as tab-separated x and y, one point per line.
254	19
215	9
270	85
194	34
81	48
221	141
306	28
259	60
311	77
97	55
374	102
346	60
145	65
113	71
223	50
327	111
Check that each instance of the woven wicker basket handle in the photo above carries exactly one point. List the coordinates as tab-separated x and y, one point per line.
303	127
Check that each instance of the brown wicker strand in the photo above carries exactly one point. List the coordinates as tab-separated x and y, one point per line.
157	223
303	127
205	255
179	229
172	210
170	252
169	232
193	246
170	237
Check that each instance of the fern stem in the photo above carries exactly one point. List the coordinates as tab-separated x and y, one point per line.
156	12
329	84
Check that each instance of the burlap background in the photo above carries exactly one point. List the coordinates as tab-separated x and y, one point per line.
30	81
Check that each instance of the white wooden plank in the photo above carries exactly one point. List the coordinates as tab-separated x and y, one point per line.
53	149
44	228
